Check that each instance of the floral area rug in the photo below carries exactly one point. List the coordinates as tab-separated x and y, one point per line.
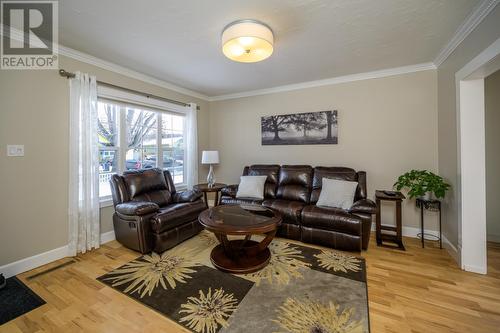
302	289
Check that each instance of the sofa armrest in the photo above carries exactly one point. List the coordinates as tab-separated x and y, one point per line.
230	191
137	208
364	206
187	196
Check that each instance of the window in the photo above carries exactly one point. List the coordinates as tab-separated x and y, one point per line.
133	137
172	145
142	139
107	132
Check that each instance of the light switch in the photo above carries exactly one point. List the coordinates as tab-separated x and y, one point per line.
15	150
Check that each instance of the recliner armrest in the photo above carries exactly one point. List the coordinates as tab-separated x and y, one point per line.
366	206
187	196
230	191
137	208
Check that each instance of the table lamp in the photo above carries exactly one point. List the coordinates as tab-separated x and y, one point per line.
210	157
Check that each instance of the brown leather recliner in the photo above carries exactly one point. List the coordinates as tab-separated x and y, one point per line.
294	190
150	214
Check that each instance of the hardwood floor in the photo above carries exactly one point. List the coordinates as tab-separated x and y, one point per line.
420	290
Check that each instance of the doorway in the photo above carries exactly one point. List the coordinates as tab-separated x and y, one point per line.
492	126
470	88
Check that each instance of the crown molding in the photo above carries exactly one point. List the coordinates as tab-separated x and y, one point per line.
87	58
468	25
325	82
107	65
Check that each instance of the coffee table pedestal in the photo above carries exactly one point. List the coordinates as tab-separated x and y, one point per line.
241	256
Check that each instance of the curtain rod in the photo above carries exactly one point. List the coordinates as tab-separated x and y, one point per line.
69	75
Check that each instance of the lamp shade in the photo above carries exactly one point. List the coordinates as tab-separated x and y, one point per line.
247	41
210	157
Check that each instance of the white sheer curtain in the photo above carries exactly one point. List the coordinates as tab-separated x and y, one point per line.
192	146
84	227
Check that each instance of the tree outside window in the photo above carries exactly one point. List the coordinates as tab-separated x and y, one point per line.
147	135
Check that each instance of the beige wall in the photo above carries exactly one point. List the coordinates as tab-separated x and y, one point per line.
33	188
479	39
386	127
492	121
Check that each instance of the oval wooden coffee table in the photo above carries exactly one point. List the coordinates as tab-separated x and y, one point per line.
240	255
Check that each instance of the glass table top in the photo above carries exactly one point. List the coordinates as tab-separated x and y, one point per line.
241	215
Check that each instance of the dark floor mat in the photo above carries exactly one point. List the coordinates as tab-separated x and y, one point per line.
17	299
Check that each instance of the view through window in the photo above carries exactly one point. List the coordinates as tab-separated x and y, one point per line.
132	138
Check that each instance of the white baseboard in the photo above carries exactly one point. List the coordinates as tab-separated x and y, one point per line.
107	237
452	250
412	231
475	269
493	238
35	261
41	259
44	258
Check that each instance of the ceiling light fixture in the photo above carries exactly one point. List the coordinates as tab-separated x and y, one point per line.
247	41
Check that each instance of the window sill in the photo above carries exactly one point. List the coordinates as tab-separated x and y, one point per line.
105	202
181	187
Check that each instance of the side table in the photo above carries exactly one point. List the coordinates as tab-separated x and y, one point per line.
216	188
432	205
397	197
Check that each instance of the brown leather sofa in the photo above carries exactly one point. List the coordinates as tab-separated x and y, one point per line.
294	190
150	214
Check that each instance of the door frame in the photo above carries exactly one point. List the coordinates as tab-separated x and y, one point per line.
469	82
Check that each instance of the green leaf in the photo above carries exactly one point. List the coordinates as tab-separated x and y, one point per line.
418	182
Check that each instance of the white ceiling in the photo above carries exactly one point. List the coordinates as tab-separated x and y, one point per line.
178	41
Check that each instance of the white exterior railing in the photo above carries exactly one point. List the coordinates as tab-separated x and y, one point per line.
105	177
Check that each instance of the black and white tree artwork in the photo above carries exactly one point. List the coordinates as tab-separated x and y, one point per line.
311	128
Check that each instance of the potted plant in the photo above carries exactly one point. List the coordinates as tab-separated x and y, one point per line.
422	183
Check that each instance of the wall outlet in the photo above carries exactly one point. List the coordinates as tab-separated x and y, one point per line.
15	150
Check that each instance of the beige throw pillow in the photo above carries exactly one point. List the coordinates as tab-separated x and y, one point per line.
337	193
251	187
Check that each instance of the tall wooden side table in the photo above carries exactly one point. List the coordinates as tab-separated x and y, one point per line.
397	238
216	188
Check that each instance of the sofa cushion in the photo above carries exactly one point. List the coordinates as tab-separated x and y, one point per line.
176	214
186	196
330	238
137	208
161	197
272	173
147	185
334	219
295	183
289	209
146	180
339	173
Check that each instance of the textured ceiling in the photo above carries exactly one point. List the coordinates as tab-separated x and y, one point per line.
179	40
